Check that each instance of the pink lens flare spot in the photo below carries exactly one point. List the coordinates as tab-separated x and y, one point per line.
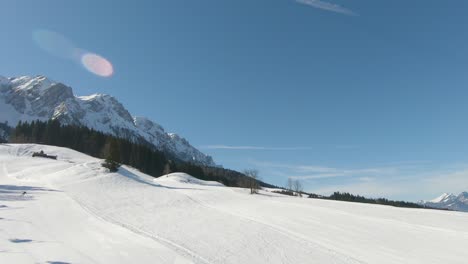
97	65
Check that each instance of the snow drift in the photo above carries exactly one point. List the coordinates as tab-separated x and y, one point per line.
76	212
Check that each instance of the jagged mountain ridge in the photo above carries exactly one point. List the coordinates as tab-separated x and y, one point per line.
30	98
450	201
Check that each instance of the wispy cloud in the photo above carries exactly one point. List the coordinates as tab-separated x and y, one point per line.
321	172
423	186
245	147
327	6
407	180
373	188
252	147
396	182
317	176
335	172
293	167
453	181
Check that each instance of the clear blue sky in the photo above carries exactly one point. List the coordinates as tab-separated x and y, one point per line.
358	95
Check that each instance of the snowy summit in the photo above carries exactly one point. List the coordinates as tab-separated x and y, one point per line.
450	201
30	98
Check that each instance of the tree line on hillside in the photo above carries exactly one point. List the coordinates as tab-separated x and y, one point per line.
140	156
347	197
91	142
294	188
157	163
5	130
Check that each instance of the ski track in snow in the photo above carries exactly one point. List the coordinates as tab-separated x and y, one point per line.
187	252
28	254
182	250
278	229
283	231
75	212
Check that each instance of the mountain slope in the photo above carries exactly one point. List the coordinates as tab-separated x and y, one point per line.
191	221
450	201
29	98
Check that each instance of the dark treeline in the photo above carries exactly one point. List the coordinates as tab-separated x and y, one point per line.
5	130
104	146
225	176
347	197
91	142
147	159
285	192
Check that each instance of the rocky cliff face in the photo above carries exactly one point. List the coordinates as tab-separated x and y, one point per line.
29	98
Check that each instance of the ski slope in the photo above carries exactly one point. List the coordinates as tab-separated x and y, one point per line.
76	212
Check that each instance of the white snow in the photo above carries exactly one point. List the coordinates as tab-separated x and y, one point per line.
10	115
38	83
90	97
76	212
176	178
443	198
98	111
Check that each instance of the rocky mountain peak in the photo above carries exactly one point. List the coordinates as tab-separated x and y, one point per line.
29	98
449	201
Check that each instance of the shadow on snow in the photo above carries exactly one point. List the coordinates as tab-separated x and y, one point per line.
15	192
126	173
17	240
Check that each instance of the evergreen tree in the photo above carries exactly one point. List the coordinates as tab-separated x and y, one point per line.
118	150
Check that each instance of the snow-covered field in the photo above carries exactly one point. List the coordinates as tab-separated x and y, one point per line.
75	212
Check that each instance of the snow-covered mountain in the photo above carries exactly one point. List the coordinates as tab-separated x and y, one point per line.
450	201
30	98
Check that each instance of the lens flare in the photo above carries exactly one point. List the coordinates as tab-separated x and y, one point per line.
60	46
53	43
97	65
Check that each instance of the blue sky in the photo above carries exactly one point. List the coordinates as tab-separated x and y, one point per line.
356	95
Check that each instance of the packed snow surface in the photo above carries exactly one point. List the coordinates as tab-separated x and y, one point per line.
76	212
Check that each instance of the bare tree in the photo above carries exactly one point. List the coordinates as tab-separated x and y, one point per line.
290	184
253	180
167	169
297	185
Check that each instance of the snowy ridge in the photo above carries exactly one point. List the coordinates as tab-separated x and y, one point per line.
443	198
87	215
449	201
185	179
29	98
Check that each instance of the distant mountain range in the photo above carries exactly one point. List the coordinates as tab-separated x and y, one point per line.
29	98
449	201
